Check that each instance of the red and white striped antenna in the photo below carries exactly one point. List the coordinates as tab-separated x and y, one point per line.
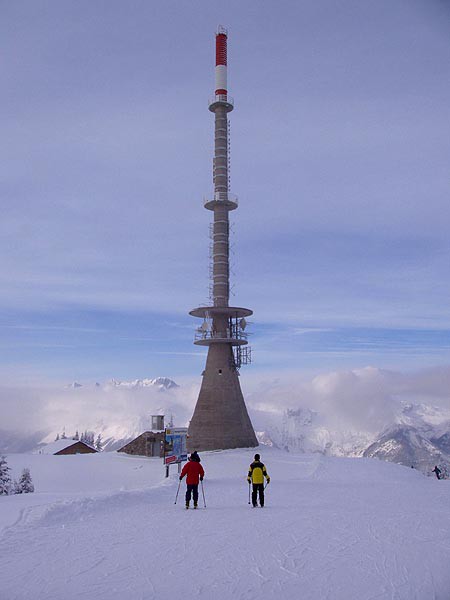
221	61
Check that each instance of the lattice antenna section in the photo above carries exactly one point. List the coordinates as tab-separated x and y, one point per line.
210	262
242	355
229	154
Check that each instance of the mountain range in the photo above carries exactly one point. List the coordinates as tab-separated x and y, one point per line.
419	437
161	383
414	434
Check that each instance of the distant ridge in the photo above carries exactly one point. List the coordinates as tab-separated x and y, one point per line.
406	445
162	383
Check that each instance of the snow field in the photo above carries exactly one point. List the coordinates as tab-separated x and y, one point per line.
106	527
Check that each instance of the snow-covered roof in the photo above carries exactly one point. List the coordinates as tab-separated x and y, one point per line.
54	447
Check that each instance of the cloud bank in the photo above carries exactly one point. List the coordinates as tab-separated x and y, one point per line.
361	400
117	413
364	401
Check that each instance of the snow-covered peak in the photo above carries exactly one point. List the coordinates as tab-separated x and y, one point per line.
162	383
430	421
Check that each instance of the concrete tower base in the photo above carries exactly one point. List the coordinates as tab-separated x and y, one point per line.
220	419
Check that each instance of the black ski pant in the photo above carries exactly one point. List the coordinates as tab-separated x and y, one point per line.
192	489
258	488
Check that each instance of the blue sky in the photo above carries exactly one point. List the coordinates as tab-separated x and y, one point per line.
340	145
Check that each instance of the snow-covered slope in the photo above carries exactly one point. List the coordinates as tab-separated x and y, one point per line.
105	526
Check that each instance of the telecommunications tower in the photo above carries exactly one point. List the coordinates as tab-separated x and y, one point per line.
220	418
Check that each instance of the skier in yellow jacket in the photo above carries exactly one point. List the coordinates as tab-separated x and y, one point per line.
256	474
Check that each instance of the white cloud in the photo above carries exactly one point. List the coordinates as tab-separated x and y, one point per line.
360	400
118	412
364	400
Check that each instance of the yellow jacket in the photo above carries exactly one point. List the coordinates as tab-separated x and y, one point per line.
257	472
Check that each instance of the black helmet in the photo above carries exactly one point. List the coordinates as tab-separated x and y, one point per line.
257	457
195	457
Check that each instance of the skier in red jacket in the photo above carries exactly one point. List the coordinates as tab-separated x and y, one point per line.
194	471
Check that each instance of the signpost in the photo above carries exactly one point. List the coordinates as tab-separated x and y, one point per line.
175	447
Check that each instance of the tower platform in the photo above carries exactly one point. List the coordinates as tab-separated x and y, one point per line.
208	312
221	100
226	199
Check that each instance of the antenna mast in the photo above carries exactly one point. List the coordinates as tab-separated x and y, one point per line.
220	418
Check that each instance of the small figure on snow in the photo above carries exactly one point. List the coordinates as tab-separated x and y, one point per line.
194	472
437	471
256	474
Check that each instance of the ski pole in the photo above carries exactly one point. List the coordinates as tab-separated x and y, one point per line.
203	492
249	492
176	497
266	485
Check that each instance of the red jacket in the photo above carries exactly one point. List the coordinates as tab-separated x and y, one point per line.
193	470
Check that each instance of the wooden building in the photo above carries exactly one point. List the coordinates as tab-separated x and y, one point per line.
148	443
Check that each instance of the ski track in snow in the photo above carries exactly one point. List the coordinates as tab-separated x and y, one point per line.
329	531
